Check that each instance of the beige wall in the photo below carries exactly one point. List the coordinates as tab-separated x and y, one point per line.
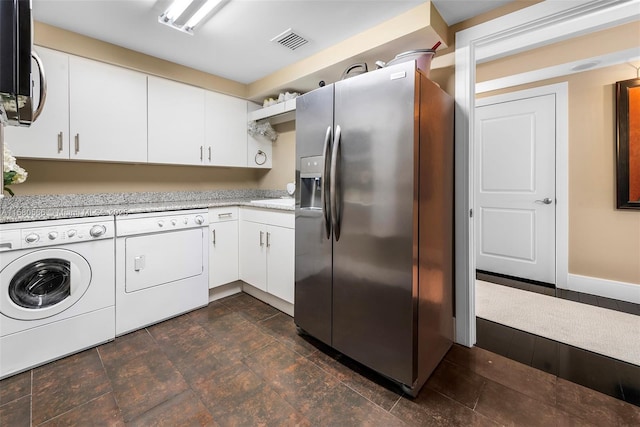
603	242
284	156
70	177
614	39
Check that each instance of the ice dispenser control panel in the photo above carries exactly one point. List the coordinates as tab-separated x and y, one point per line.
311	180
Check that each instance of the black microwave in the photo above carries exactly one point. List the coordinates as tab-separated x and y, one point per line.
16	55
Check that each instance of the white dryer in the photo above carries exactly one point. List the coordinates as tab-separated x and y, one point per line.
57	289
162	266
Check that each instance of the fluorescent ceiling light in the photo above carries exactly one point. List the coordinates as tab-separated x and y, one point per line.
184	15
204	10
176	9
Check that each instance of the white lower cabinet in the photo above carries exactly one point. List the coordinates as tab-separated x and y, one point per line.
280	262
253	254
267	243
223	249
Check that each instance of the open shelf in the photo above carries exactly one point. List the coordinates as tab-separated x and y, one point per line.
277	113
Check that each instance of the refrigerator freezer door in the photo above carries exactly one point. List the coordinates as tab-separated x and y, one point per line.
374	259
314	124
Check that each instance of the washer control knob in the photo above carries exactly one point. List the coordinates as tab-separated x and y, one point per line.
199	219
53	235
71	233
32	238
161	223
174	221
97	230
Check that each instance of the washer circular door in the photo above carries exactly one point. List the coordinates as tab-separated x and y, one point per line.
43	283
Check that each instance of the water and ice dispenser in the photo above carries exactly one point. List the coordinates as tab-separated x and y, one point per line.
311	182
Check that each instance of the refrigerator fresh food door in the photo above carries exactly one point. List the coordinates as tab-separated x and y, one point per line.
314	132
375	188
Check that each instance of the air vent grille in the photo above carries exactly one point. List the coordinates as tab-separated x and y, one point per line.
290	40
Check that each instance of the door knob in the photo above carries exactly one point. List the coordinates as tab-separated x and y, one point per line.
545	201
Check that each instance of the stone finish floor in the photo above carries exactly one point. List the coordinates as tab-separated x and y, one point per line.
240	362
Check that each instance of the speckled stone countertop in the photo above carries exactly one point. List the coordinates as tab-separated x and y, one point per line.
62	206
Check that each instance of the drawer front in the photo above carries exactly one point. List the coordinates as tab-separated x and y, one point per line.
227	213
285	219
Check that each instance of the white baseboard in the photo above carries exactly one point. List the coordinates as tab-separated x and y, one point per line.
275	302
605	288
225	290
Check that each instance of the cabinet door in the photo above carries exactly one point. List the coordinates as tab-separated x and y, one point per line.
48	136
253	259
280	262
108	112
223	253
176	123
225	130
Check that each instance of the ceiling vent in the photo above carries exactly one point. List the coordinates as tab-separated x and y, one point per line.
290	40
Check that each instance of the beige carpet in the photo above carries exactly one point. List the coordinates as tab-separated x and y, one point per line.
596	329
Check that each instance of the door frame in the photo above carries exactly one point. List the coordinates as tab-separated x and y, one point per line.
541	24
561	95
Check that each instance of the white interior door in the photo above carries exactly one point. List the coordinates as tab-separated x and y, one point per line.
515	188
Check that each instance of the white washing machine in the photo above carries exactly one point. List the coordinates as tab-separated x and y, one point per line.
57	289
162	266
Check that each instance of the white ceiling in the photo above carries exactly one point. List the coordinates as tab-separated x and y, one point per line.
234	42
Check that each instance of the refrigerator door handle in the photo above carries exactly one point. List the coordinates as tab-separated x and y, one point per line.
335	184
326	206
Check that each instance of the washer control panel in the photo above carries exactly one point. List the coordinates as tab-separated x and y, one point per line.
160	222
51	234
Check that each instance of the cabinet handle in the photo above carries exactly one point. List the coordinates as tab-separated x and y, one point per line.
77	143
268	239
209	153
214	236
201	153
225	215
261	235
60	142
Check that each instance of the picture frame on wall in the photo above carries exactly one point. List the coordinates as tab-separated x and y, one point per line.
628	144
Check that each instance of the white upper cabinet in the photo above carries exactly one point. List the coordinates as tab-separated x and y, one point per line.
48	136
176	123
225	130
100	112
108	112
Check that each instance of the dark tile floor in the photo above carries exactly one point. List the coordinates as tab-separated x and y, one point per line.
598	372
601	373
239	362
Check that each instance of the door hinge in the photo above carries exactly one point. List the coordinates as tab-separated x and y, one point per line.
470	213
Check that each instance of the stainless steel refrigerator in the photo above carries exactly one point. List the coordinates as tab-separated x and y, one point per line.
374	221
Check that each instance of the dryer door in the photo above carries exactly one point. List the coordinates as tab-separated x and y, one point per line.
43	283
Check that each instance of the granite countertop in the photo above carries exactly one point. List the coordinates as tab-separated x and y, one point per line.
46	207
